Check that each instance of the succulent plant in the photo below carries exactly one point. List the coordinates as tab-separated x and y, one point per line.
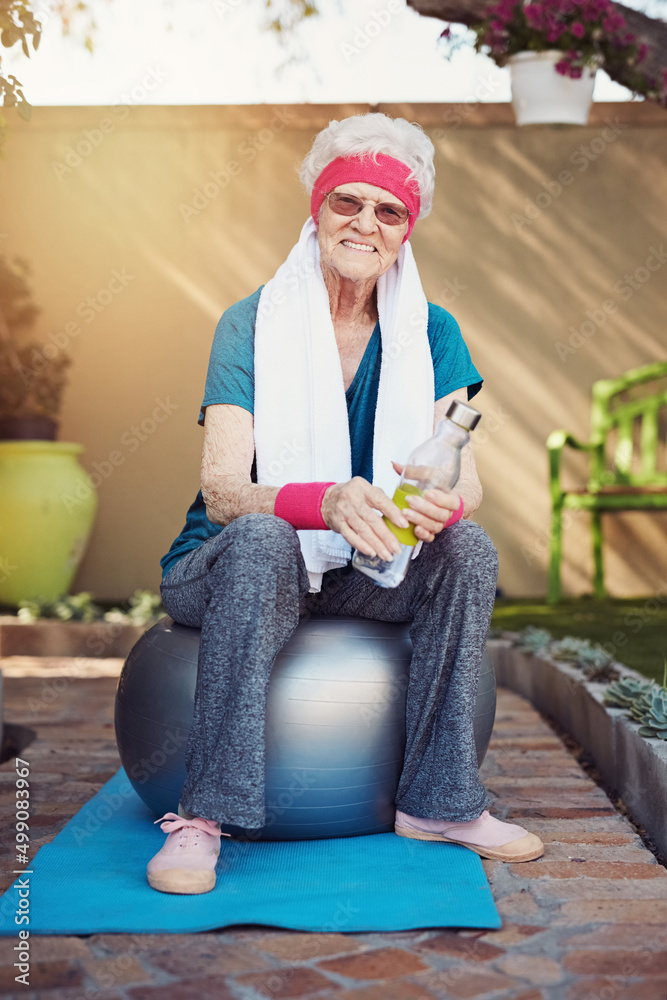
69	607
531	639
654	720
600	671
641	705
569	648
594	662
627	693
144	607
645	702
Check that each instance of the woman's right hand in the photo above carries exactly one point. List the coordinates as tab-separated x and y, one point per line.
352	508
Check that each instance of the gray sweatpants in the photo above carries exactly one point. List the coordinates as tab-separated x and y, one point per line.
246	589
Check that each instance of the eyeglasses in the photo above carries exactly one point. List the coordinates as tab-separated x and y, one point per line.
348	204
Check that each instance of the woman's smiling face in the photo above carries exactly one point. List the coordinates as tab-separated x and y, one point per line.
359	247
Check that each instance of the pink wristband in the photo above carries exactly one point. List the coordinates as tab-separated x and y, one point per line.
456	515
301	505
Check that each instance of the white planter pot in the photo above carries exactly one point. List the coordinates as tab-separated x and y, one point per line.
542	96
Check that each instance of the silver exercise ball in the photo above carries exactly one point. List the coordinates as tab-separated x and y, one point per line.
335	723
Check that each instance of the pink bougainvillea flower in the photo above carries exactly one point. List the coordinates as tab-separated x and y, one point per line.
578	29
590	14
533	15
503	11
562	67
613	22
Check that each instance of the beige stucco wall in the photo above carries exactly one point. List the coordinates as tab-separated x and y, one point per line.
129	222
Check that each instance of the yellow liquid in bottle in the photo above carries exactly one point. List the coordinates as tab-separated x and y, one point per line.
405	535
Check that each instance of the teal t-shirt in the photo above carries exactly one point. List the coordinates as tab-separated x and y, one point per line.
231	379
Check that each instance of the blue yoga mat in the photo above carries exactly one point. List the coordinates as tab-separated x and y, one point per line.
91	879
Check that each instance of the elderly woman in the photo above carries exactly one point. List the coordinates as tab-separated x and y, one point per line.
316	382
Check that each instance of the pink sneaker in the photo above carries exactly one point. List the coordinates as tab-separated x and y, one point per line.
186	861
487	836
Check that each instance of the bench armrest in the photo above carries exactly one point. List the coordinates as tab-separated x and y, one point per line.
556	442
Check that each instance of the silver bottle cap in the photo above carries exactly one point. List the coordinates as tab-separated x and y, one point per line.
464	415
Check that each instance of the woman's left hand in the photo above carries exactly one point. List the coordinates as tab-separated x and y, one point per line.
429	513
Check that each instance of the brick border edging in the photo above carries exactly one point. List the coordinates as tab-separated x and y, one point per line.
50	637
633	766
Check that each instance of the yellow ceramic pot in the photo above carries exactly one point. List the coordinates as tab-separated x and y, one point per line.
47	509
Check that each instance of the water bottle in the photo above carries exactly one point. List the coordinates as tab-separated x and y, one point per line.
435	464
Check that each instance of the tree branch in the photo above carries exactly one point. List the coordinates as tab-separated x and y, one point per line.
458	11
653	33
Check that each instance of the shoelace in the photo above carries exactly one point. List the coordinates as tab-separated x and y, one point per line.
172	823
189	830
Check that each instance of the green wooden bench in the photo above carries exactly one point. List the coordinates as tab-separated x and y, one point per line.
624	472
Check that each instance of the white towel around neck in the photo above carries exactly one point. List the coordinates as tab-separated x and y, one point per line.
300	420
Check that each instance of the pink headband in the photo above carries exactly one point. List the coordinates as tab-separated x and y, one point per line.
387	173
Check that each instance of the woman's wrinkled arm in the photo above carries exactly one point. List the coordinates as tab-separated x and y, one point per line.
229	448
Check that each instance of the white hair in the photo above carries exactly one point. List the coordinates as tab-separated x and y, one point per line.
371	134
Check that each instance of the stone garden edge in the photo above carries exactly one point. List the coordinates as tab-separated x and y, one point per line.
634	767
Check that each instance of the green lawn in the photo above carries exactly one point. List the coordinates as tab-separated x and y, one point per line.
634	631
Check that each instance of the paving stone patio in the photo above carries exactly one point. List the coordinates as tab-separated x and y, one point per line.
588	921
